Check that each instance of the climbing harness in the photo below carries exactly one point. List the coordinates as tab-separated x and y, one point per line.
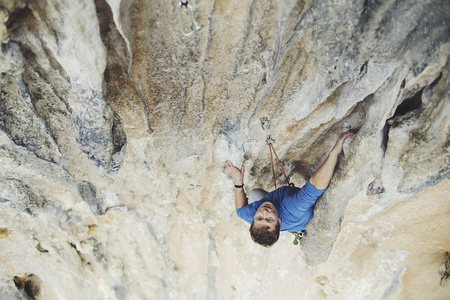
194	25
298	236
265	123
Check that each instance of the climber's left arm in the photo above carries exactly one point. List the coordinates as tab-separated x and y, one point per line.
323	175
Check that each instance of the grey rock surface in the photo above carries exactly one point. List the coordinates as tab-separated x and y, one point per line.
115	126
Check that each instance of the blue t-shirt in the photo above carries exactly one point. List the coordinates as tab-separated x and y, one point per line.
295	206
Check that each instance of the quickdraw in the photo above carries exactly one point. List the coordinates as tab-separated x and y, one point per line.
298	236
194	26
265	123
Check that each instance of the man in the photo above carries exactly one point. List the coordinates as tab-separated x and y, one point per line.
286	208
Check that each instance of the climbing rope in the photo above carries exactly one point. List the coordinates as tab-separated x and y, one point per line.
265	123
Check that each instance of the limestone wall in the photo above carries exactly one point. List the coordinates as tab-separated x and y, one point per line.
117	117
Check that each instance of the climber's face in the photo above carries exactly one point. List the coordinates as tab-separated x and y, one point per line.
267	216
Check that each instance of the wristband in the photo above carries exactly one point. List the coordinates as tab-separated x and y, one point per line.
238	186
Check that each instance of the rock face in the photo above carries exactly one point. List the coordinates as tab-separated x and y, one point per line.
117	117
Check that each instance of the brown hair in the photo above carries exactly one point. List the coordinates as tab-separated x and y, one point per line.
264	236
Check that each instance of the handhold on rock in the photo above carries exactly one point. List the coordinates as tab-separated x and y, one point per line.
30	283
445	269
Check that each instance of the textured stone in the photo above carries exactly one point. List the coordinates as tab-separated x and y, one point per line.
115	127
51	34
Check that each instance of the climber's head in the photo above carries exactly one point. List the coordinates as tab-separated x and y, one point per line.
265	228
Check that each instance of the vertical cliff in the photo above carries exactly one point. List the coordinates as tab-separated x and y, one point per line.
117	117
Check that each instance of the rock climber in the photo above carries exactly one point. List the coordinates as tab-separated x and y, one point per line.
287	208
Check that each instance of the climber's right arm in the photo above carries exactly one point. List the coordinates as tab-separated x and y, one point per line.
240	199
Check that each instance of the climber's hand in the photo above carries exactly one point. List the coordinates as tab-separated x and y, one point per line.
337	149
236	174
